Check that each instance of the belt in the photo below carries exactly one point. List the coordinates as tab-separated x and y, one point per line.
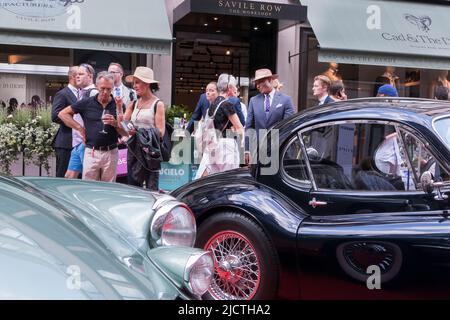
102	148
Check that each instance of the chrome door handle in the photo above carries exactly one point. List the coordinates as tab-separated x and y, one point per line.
314	203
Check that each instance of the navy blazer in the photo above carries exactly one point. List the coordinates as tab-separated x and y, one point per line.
328	99
236	102
281	108
199	112
63	98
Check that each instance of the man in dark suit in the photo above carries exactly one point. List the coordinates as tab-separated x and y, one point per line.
267	108
199	112
63	140
321	89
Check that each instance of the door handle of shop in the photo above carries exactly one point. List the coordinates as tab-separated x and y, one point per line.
314	203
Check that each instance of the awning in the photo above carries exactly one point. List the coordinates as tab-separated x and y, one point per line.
395	33
139	26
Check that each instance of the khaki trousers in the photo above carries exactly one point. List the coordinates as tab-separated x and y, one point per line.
100	165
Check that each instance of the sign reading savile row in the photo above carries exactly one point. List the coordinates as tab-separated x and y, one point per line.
258	9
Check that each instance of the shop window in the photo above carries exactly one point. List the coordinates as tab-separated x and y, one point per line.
362	81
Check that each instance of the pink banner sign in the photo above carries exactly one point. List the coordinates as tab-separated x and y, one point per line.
122	163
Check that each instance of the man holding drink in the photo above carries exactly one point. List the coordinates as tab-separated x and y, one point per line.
100	131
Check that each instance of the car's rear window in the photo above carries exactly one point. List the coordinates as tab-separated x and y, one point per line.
442	127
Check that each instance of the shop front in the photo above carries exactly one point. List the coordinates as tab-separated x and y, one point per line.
370	43
226	36
40	39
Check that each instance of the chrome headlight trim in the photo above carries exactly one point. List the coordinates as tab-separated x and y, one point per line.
163	207
191	263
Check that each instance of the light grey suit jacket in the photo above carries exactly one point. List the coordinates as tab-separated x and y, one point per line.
126	94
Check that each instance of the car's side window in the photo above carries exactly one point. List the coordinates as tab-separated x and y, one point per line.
391	160
330	154
294	164
357	156
422	160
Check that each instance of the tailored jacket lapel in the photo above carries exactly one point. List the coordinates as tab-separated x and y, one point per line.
71	96
275	101
259	112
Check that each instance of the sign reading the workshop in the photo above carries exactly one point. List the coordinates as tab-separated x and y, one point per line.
250	8
259	9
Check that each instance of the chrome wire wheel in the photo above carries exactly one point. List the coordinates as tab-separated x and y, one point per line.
237	267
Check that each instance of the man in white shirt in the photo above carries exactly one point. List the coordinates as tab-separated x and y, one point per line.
120	90
389	160
85	81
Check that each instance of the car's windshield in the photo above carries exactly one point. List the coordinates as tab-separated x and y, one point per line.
442	127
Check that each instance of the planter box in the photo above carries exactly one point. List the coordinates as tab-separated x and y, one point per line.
19	169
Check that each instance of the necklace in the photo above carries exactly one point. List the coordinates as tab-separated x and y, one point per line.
145	103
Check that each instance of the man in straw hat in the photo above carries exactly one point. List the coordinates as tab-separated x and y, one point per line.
267	108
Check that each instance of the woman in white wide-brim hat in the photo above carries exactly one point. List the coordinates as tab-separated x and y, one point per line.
147	112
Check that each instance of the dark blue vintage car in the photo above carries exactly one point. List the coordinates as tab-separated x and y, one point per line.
358	207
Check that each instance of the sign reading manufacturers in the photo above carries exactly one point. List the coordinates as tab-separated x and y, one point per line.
257	9
84	24
38	8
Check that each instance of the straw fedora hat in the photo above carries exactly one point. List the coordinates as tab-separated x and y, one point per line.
264	73
144	74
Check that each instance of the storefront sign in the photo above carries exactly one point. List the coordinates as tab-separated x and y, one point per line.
394	33
13	86
87	24
380	59
38	8
258	9
172	176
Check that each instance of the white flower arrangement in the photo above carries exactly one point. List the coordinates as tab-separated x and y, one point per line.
10	146
19	132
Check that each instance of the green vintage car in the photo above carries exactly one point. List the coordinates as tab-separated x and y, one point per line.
73	239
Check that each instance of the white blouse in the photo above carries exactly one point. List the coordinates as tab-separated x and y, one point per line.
143	118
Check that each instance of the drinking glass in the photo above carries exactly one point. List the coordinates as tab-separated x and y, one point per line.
105	112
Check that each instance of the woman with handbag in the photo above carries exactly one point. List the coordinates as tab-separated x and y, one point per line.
221	153
146	112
